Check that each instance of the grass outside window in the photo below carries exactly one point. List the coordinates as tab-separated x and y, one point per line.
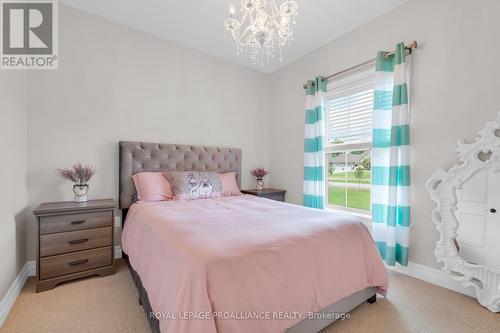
349	180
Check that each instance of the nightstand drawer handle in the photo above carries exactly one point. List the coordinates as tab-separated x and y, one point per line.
77	241
78	222
78	262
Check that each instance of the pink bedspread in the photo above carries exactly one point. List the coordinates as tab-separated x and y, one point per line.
245	264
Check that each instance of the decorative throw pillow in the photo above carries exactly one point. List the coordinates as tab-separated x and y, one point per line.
228	184
152	186
191	185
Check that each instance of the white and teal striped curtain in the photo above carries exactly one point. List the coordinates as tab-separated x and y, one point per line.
391	158
314	156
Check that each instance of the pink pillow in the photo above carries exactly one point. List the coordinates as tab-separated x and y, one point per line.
152	186
228	184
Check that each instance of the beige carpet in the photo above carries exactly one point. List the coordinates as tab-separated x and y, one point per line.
110	305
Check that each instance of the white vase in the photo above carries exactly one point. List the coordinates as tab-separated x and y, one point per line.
260	184
81	192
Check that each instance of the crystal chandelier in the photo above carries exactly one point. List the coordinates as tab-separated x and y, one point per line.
262	31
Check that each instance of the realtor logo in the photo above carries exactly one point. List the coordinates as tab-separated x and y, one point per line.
29	34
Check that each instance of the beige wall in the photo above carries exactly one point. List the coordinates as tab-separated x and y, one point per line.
13	168
117	83
455	89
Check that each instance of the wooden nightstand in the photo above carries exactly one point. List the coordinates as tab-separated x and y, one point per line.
74	240
268	193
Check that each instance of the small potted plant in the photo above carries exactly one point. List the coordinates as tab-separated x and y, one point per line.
259	173
79	174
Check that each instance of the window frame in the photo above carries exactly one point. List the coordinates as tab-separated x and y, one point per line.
346	148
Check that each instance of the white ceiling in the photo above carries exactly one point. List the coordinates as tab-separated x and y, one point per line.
199	23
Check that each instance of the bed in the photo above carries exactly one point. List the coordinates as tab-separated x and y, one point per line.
239	263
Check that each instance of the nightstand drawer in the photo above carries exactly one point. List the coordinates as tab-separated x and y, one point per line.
71	241
74	262
69	222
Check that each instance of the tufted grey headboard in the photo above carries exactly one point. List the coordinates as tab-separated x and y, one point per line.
138	157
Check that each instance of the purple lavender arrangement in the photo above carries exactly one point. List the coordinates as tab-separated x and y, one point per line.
259	173
79	174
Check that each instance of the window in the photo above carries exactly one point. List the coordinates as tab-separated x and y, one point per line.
349	113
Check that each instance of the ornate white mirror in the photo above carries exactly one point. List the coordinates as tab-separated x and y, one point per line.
467	215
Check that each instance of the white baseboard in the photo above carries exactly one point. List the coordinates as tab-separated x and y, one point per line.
17	285
432	275
118	251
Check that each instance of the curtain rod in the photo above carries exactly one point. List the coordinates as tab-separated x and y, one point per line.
409	47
